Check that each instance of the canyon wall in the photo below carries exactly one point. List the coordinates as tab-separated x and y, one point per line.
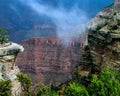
104	42
48	60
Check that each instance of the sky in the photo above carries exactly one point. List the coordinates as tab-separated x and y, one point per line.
69	16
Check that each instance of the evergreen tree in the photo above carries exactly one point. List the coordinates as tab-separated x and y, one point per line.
26	82
45	91
106	84
5	88
75	89
3	36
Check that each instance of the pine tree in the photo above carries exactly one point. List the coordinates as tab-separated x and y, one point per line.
3	36
106	84
5	88
75	89
26	82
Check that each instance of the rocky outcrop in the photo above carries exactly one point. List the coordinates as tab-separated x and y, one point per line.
48	60
104	40
8	70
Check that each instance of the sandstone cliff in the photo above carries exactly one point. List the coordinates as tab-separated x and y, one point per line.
104	41
48	60
8	70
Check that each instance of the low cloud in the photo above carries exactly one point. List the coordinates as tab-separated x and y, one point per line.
70	23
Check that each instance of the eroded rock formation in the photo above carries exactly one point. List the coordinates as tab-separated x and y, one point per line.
104	41
48	60
8	70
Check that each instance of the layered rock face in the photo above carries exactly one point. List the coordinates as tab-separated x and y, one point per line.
48	60
104	40
8	70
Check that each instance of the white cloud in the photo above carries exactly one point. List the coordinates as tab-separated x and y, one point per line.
69	23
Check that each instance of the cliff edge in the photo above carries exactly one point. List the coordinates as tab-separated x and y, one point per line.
8	70
104	42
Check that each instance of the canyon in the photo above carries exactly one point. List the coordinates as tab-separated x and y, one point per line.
50	61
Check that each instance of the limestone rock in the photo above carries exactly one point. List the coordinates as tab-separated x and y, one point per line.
8	70
104	40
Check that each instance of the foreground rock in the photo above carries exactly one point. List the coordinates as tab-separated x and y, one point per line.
8	70
104	41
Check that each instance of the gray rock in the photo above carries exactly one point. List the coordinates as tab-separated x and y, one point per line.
13	48
8	70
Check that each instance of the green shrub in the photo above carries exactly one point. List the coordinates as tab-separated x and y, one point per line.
74	89
45	91
3	36
26	82
106	84
5	88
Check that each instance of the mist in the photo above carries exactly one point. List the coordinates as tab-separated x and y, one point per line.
70	23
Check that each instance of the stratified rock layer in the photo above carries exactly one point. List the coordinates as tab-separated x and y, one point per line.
104	40
8	70
48	60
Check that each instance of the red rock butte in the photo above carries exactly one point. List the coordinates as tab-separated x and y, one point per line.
48	61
